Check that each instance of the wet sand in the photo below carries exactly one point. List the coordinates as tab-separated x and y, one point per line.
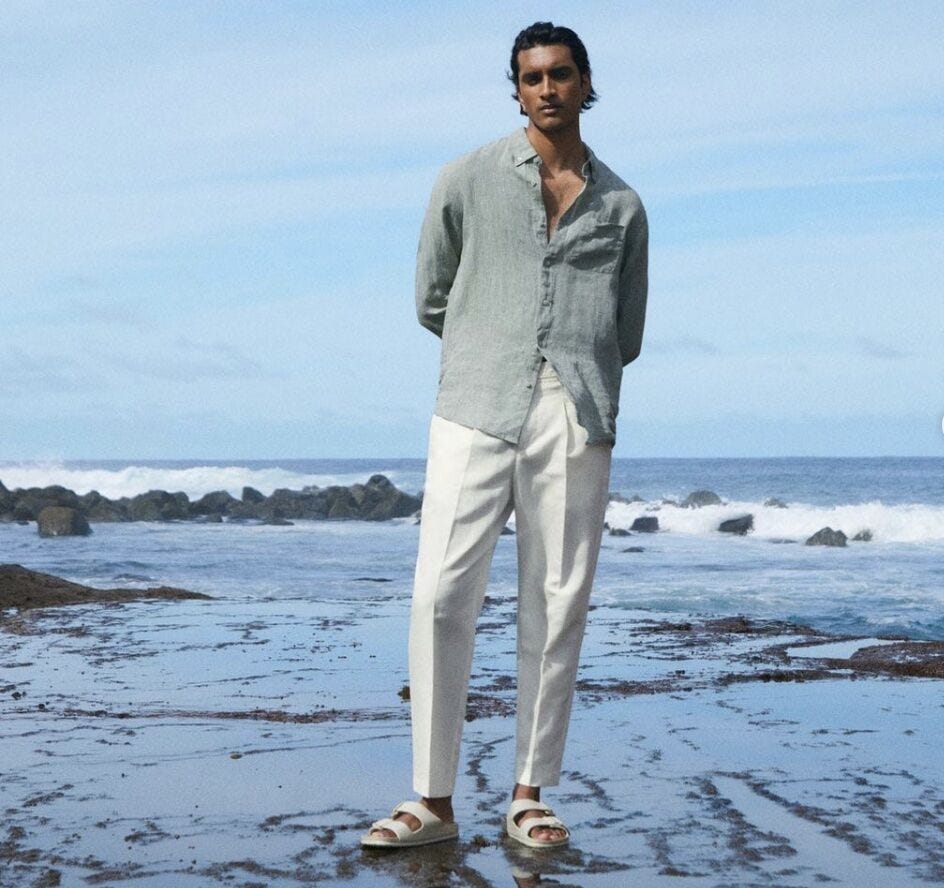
192	743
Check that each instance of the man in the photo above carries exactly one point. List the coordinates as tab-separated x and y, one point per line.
532	267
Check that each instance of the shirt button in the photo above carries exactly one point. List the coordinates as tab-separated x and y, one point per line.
546	302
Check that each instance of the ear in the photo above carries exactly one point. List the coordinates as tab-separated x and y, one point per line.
585	85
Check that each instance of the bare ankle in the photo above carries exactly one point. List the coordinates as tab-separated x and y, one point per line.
523	791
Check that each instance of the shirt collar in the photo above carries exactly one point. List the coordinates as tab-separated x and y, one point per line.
522	151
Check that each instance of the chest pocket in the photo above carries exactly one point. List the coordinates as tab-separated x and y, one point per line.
595	247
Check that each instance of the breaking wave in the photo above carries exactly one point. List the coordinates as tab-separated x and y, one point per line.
907	523
195	481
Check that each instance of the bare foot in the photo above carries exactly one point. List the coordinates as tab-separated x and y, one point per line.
540	833
441	807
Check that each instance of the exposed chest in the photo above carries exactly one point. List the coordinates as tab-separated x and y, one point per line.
558	194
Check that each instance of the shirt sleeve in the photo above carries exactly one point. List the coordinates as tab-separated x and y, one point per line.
633	287
440	248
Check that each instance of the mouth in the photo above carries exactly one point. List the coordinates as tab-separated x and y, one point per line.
549	109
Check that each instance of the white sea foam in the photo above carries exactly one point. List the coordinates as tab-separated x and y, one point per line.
194	481
908	523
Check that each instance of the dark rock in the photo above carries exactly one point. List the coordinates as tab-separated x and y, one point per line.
25	589
619	532
775	503
645	524
7	501
863	536
159	505
57	521
284	503
506	531
343	502
219	502
740	525
383	501
242	511
252	496
210	518
30	502
827	537
101	509
279	522
23	513
619	498
698	498
924	659
634	549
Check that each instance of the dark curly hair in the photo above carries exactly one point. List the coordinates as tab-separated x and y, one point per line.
549	34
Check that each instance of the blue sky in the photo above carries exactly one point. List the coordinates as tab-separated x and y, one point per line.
211	212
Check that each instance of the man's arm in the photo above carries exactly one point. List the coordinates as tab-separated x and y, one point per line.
437	258
633	287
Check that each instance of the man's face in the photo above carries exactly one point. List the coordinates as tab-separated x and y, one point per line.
550	88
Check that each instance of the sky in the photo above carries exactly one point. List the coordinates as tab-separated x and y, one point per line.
210	215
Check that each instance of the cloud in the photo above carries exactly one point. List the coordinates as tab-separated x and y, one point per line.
29	375
188	360
872	348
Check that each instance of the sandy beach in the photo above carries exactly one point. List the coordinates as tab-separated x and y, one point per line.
177	743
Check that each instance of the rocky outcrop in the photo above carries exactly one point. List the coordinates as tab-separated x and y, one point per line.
28	503
158	505
645	524
98	508
380	500
863	536
619	498
775	502
25	589
59	521
376	500
6	501
219	502
740	525
698	498
827	537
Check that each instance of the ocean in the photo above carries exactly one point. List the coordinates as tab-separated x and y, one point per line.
891	585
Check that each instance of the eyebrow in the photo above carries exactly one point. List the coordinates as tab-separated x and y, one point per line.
556	71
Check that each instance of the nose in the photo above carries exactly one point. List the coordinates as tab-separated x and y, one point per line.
547	87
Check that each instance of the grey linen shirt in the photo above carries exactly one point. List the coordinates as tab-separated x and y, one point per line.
503	297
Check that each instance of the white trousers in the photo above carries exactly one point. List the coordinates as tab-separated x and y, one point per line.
558	489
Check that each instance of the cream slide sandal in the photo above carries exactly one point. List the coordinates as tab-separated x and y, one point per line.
432	829
520	832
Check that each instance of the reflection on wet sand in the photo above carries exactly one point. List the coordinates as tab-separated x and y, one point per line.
193	743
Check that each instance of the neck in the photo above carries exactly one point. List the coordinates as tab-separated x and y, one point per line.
558	150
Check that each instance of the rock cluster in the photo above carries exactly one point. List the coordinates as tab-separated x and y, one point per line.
24	589
377	500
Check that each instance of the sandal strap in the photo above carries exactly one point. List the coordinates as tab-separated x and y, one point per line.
419	811
397	827
519	806
528	825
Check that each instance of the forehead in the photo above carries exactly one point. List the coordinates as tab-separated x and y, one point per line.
540	58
